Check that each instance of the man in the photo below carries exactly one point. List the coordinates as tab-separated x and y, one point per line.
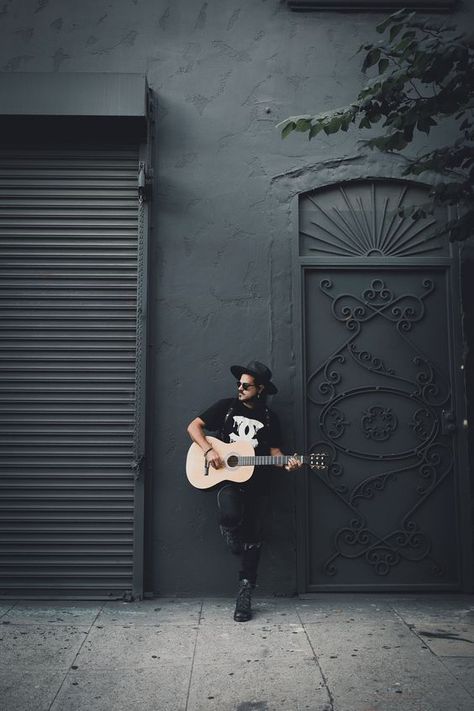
241	506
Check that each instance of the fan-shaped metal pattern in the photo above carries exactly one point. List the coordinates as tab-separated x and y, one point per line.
368	219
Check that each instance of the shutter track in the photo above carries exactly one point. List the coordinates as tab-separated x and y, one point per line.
68	345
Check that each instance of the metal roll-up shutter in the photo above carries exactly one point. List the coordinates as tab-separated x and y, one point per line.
69	251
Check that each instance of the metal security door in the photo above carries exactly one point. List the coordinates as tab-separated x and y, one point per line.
380	399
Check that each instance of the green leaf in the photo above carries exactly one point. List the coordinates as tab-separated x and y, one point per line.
402	16
332	126
394	30
382	26
372	58
314	130
303	125
403	44
375	117
347	119
383	64
286	130
425	123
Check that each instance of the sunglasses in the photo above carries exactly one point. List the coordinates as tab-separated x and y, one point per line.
245	386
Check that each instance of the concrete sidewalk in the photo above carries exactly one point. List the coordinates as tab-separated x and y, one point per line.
331	652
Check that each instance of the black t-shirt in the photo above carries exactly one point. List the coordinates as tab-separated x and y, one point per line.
258	425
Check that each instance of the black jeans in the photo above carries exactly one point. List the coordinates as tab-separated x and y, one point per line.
243	508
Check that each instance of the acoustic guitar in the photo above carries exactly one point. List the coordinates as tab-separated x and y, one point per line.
239	462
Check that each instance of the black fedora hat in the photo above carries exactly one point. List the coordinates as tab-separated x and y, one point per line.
259	371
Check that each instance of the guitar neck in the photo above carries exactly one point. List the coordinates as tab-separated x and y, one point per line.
269	460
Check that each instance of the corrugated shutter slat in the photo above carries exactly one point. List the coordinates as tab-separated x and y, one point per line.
68	336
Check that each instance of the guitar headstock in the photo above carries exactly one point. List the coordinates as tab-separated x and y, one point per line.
318	460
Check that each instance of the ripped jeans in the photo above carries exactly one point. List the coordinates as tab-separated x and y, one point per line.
242	509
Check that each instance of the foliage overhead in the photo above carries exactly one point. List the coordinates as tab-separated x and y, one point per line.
423	75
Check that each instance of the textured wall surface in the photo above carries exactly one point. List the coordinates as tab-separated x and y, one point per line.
223	73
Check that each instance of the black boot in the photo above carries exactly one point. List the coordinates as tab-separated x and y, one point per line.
243	611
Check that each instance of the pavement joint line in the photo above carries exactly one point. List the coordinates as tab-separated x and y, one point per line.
438	657
194	656
413	631
68	671
329	693
458	681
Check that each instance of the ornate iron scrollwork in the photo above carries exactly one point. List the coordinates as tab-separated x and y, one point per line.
369	361
413	400
382	553
335	423
404	310
379	423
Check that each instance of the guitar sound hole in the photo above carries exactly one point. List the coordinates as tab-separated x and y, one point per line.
232	461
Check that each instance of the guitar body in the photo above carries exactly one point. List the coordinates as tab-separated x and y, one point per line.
203	477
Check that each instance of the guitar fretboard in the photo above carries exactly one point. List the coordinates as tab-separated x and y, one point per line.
277	461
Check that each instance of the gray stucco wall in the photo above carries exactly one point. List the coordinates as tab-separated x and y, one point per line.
223	73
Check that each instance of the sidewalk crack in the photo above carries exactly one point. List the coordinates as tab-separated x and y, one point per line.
194	657
68	671
330	696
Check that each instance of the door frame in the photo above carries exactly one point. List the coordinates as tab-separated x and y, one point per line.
141	374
